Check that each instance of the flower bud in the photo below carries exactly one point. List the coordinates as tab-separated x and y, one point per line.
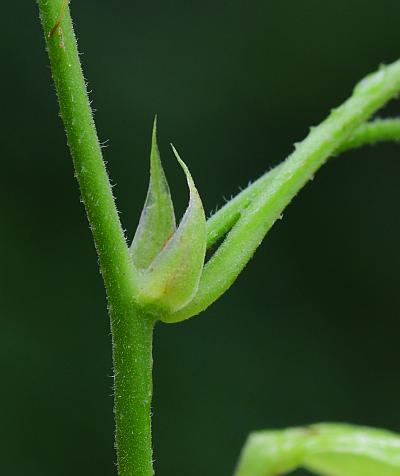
169	261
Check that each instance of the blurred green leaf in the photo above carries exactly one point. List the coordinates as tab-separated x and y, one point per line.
324	449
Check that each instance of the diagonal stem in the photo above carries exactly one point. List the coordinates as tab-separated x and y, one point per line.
255	221
370	133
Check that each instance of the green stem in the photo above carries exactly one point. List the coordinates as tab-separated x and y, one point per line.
131	331
133	336
322	142
370	133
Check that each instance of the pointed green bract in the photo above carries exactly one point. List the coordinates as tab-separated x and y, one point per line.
325	449
157	222
173	277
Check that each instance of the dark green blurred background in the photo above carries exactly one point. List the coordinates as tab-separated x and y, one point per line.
308	333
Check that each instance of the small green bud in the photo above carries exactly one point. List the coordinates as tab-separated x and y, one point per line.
169	263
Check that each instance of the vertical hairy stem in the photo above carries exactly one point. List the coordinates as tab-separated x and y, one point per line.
131	331
133	336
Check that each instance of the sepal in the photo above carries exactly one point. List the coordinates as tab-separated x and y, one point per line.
157	221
